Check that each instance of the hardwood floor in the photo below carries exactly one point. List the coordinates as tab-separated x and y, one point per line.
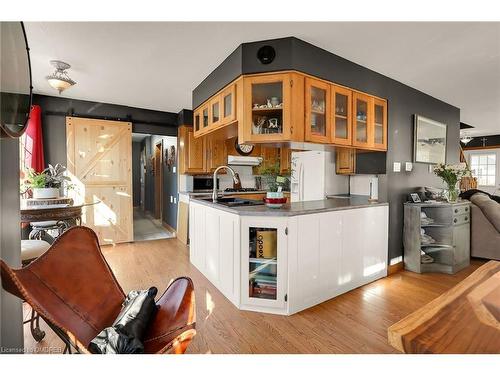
355	322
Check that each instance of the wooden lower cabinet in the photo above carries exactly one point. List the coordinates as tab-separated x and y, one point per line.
345	161
283	265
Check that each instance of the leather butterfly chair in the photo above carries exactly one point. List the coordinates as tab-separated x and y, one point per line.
74	290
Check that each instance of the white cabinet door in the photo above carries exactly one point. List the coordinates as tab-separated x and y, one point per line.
229	257
197	236
364	246
263	276
314	259
215	248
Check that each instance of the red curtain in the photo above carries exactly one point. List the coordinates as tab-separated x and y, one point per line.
33	148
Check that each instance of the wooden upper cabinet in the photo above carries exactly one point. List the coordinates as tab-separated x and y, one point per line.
274	108
379	124
345	160
266	108
341	112
285	160
317	111
191	152
362	118
216	154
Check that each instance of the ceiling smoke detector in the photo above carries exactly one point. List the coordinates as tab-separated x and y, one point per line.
60	79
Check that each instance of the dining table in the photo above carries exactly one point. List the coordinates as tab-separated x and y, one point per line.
62	211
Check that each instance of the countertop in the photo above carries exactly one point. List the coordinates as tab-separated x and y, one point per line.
298	208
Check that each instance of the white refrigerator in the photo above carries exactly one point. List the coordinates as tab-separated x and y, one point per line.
313	176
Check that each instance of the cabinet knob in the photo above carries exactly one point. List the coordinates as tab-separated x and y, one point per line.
455	220
466	218
456	210
466	209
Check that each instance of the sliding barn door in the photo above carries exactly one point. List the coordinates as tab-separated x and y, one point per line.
99	160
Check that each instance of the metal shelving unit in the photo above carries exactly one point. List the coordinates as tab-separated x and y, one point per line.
445	227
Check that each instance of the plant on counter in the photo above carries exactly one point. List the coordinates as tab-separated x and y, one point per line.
270	173
47	183
451	174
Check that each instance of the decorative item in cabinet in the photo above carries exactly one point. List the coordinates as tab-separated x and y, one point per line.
342	116
266	103
379	124
317	111
436	237
362	118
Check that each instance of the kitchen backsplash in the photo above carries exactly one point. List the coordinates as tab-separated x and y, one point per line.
360	184
246	177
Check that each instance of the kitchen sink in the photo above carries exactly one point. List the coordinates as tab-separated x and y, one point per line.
235	202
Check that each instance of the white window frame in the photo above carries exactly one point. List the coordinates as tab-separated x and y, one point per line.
477	175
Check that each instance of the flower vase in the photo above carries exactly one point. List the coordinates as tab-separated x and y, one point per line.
452	195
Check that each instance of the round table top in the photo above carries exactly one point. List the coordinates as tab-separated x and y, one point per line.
46	212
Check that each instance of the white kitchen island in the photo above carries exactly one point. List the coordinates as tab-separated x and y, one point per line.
282	261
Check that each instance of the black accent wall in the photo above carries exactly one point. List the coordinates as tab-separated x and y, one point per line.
55	109
403	103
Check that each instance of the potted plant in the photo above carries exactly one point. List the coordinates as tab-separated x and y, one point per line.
47	184
451	174
275	182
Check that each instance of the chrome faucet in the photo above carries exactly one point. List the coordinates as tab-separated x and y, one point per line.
236	180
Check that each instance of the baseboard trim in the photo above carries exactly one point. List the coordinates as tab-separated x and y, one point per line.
169	228
395	268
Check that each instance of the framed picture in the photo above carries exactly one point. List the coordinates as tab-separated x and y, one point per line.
415	198
429	141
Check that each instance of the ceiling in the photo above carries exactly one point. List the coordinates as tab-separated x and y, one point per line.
156	65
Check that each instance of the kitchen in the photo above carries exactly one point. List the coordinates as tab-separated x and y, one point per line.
270	138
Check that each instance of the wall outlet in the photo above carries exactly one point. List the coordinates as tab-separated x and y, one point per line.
396	167
171	199
175	200
408	166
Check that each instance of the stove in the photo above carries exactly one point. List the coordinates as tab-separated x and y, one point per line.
242	190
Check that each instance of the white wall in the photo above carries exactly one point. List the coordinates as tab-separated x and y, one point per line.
490	189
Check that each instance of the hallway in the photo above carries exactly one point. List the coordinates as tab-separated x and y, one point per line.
146	228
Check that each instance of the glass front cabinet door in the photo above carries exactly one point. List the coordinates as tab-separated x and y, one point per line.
228	103
379	124
264	263
267	108
317	111
197	121
361	117
341	116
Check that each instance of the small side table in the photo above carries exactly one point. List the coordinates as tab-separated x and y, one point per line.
439	230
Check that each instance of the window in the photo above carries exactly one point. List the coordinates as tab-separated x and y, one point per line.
483	167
